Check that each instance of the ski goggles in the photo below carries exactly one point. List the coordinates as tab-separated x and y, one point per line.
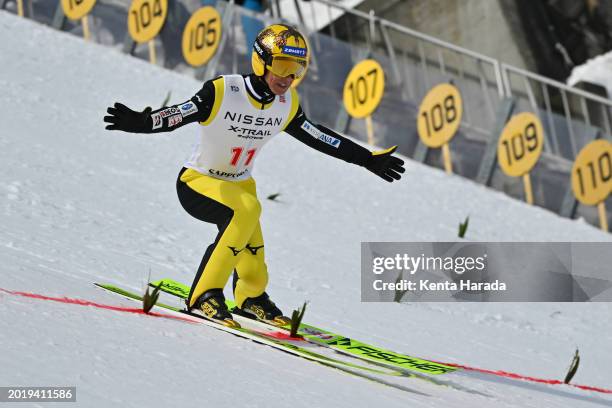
285	66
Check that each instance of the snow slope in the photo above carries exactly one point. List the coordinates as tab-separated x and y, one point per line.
79	204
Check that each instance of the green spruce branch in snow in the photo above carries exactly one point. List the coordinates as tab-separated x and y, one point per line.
273	197
296	319
573	368
463	227
150	299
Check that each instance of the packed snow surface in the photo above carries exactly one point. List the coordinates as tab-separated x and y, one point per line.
80	204
597	70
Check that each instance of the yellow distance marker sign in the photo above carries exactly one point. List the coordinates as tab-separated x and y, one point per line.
77	9
520	144
364	88
146	18
592	173
201	36
439	115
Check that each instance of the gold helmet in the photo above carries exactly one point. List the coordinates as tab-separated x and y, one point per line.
282	50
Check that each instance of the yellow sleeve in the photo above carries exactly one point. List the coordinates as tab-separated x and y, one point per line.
219	84
295	104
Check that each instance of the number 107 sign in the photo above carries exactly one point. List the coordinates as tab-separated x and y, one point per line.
364	88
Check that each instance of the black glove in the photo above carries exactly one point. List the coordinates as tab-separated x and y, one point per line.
123	118
383	164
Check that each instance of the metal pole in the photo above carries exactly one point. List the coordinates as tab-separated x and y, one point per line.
210	69
298	9
506	80
467	115
498	79
392	57
489	160
332	28
233	46
551	123
372	28
606	116
59	19
424	65
441	62
483	85
315	28
408	82
568	119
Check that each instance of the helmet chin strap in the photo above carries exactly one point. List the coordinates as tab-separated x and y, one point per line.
261	87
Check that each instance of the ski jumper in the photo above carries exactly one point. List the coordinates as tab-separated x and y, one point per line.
238	115
219	171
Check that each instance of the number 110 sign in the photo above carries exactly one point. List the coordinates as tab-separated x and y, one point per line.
592	177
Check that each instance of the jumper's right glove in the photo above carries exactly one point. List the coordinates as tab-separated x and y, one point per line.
383	164
123	118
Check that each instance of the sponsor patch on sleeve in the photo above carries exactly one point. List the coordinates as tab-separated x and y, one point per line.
317	134
188	108
157	120
174	120
168	112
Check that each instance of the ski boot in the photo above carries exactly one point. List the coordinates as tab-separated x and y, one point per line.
262	308
211	304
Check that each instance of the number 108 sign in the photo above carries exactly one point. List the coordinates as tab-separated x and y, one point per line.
439	115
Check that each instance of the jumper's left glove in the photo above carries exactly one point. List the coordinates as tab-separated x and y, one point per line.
383	164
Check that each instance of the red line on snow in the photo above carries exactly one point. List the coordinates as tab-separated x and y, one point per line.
282	336
81	302
515	376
